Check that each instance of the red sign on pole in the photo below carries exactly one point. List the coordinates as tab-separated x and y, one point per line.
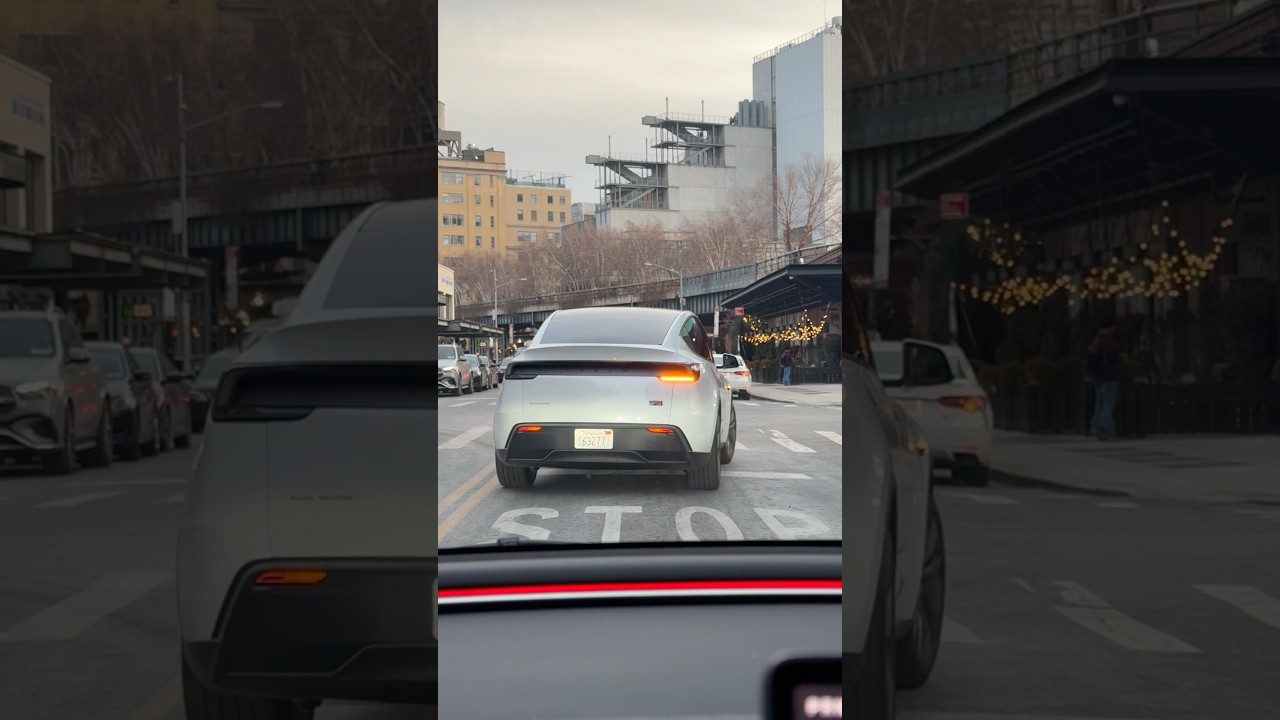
953	206
739	311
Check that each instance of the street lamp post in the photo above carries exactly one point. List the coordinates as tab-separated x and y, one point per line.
680	274
184	248
495	293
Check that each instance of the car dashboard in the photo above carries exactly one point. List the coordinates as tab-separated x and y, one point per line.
657	630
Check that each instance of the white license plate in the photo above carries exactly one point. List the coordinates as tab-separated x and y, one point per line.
584	439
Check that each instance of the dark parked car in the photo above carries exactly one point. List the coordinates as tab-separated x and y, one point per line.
134	401
174	387
206	382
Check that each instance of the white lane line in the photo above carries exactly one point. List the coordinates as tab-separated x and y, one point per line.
980	498
81	499
171	499
1248	600
834	437
461	404
1116	504
495	402
749	404
464	438
786	442
1092	613
765	475
954	632
70	617
739	446
96	483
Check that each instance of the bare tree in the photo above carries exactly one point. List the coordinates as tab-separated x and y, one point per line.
800	204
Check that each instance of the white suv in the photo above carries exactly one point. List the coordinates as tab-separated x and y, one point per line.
305	569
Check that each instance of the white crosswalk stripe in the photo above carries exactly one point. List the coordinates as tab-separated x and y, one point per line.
739	445
462	404
954	632
466	437
76	500
1248	600
1092	613
76	614
765	475
749	404
786	442
834	437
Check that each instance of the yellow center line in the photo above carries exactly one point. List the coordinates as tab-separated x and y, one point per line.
162	703
463	489
466	507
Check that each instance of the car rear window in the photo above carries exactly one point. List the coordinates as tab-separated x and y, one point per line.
381	270
608	328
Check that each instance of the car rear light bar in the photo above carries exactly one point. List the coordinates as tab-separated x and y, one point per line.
968	403
291	577
675	589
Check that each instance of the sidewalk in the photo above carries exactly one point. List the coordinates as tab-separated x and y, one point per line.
815	394
1198	468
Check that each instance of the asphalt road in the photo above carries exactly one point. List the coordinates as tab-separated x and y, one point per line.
1077	606
88	623
783	483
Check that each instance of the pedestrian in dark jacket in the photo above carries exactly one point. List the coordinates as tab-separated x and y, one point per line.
786	362
1103	365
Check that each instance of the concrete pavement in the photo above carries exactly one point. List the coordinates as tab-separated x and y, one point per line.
1208	469
1065	606
815	394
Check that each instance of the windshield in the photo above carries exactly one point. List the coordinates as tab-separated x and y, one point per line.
26	338
672	383
110	362
446	352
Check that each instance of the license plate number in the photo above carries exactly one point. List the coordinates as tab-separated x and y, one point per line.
585	439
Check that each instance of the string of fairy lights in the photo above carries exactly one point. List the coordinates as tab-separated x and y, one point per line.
1139	272
757	333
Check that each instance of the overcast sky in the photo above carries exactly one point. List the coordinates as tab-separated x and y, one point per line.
550	81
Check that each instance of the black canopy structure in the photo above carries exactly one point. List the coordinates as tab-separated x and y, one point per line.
1129	129
789	290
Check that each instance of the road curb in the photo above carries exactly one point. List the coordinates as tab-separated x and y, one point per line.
1016	480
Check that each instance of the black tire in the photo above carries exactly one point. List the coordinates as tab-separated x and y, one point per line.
166	431
514	476
132	448
727	450
706	477
205	703
470	388
874	695
745	395
63	460
101	454
918	651
184	441
457	392
152	447
976	475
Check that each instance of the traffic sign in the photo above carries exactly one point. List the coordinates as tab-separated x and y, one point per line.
739	311
953	206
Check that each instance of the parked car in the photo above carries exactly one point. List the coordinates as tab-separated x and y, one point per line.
490	371
615	388
734	369
479	378
453	372
893	549
53	401
135	400
502	366
943	394
174	389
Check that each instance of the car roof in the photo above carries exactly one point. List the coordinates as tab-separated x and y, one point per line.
618	314
104	344
367	300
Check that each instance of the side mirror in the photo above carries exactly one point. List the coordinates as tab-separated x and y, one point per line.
78	355
924	365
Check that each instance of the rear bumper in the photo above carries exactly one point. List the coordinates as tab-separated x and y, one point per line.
365	633
634	447
960	446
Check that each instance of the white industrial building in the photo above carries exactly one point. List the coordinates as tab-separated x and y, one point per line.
800	82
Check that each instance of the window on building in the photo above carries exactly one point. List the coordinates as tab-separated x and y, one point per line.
450	198
477	180
533	198
520	215
477	198
562	217
452	219
454	240
553	236
519	197
561	199
479	241
526	237
550	200
533	215
490	201
490	221
450	178
493	242
478	221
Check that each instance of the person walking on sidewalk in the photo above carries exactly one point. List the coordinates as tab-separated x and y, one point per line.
786	361
1103	364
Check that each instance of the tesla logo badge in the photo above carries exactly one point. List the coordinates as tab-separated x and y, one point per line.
655	403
